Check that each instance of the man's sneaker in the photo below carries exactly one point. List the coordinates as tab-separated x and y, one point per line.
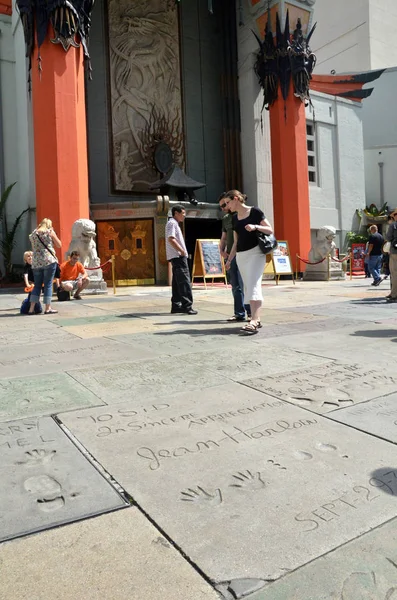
377	282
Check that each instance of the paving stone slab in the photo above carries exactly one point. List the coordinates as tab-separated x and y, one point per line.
45	358
365	569
114	327
82	321
42	395
112	557
9	303
328	324
34	335
378	417
143	379
346	342
327	387
265	492
181	342
243	363
361	311
45	480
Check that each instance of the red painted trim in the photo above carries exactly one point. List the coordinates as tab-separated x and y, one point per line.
6	7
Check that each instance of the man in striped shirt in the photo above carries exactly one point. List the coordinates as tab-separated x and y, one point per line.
182	297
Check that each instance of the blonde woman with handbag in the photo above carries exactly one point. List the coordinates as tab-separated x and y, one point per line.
44	264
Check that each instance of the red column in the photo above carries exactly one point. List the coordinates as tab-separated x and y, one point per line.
290	174
60	138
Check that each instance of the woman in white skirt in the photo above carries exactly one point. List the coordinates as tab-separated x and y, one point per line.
251	261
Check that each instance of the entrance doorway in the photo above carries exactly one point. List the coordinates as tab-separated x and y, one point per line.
131	242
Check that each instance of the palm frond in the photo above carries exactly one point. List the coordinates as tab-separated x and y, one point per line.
4	198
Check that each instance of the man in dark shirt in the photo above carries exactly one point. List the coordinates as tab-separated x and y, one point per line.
375	245
236	282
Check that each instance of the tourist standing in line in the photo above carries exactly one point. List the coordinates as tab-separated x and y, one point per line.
182	296
375	245
391	237
44	264
250	259
226	246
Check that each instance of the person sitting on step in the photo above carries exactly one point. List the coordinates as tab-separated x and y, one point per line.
74	277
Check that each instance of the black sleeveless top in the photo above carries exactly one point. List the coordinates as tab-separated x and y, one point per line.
247	239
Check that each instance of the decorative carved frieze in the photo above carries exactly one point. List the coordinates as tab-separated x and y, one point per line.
145	88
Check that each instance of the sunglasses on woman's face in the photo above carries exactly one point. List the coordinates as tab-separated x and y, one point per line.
224	204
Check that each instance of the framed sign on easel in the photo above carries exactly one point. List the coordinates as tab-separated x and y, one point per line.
208	262
280	263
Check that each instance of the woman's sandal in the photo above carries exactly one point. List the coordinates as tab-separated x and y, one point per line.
251	328
51	312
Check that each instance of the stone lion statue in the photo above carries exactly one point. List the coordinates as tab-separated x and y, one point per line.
83	240
324	244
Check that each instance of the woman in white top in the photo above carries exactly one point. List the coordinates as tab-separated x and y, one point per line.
44	264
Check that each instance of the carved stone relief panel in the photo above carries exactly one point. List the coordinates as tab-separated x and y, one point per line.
146	101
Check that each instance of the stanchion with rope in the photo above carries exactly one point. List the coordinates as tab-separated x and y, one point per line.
351	266
328	267
113	274
306	262
105	266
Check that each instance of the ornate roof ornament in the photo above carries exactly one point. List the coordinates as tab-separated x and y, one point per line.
283	58
70	21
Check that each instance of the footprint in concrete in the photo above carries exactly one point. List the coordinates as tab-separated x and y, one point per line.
302	455
47	491
325	447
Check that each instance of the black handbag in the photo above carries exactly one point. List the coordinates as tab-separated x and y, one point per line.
266	242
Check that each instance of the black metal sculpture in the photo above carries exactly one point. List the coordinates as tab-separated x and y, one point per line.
284	57
70	21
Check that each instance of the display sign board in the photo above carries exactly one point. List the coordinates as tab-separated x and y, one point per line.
279	262
358	251
282	259
208	262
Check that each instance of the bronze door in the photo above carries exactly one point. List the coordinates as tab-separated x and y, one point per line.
131	242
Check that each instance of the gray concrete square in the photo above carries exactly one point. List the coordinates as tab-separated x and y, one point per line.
251	362
327	387
45	480
112	557
34	335
377	417
38	395
144	379
364	569
45	358
359	310
254	494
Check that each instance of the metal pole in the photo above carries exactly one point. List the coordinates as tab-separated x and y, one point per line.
351	266
113	274
296	267
329	267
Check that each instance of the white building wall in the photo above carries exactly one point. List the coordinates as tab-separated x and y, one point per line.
340	187
17	129
355	35
341	39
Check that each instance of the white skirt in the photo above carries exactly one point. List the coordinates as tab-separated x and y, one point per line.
251	264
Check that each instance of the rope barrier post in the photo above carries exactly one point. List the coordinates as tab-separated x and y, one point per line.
113	274
296	268
329	267
351	266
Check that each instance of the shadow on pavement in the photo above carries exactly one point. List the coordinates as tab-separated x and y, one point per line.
377	333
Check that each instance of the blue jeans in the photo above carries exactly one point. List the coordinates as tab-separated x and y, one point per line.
374	265
238	291
43	276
